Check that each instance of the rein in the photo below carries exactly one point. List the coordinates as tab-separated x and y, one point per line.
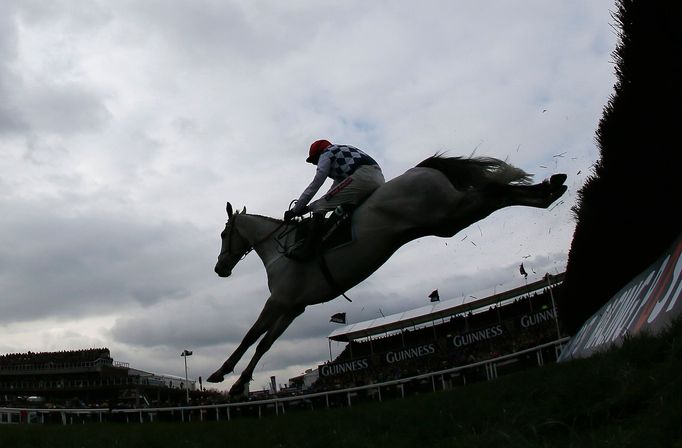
253	245
269	235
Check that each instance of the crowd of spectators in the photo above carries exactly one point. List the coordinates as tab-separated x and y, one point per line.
514	337
47	360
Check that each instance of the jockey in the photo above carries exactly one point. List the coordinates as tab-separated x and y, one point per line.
355	174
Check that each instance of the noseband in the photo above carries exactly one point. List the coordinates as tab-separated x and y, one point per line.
231	226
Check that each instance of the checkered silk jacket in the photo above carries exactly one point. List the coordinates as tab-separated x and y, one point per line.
345	160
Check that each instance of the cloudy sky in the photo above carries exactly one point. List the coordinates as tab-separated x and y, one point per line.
125	127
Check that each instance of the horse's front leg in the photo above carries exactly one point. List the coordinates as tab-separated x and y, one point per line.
265	320
264	345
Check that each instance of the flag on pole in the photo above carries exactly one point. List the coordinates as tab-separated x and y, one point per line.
339	318
186	353
523	271
434	296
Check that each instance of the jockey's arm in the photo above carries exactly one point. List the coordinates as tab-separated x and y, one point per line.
321	174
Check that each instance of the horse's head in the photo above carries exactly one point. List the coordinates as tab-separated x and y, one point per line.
234	245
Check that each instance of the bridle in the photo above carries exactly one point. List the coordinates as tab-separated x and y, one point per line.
231	225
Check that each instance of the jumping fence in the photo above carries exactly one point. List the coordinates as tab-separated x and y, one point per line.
428	382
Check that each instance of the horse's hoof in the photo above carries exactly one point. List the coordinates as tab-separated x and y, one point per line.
557	179
556	193
216	377
236	391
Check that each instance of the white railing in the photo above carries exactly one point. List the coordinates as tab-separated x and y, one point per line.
67	416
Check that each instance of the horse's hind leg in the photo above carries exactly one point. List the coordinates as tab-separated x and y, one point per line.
540	195
264	345
265	320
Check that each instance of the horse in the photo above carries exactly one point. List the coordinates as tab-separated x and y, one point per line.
440	196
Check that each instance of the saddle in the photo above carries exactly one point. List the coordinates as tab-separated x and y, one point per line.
337	230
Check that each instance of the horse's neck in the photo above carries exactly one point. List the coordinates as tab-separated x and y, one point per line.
260	232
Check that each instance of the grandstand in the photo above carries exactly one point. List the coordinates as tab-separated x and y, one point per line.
83	378
444	335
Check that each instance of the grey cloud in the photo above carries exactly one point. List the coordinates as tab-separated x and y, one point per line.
63	108
51	103
183	323
9	119
69	266
203	32
75	16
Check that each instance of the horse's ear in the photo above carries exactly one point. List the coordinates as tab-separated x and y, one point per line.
228	208
244	211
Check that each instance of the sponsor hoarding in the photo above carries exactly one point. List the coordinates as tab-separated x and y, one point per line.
648	303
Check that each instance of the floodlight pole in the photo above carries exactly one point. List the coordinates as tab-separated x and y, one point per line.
185	354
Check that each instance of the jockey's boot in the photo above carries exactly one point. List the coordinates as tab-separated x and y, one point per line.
307	250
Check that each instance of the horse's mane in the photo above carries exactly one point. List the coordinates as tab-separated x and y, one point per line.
476	172
267	218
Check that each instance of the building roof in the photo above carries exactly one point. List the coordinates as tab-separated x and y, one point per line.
432	312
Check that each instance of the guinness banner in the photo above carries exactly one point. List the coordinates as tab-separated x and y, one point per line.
409	353
649	302
339	368
472	337
391	357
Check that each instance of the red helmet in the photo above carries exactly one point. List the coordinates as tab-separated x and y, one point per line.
316	149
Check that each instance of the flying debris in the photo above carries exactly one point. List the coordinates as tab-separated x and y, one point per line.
523	271
556	205
476	148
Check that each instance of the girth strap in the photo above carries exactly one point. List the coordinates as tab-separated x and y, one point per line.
328	276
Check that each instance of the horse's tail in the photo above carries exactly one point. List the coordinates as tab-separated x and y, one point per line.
476	172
